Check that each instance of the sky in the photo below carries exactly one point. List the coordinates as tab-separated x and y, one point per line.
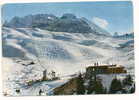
111	16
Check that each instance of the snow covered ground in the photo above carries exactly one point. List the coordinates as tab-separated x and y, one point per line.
65	53
16	78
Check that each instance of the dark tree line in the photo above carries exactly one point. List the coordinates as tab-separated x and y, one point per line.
125	86
80	85
95	86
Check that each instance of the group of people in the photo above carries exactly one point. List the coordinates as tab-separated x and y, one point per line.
96	64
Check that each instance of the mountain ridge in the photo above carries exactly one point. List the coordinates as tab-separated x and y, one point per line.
70	22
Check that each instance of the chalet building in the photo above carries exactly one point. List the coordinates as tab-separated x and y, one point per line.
105	69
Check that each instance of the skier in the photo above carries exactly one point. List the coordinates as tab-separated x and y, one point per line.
40	92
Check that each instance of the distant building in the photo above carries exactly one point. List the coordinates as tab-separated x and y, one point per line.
45	75
105	69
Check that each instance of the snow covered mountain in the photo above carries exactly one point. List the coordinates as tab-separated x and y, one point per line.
28	51
96	29
125	36
61	48
70	22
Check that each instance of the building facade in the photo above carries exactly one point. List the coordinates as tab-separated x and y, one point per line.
104	69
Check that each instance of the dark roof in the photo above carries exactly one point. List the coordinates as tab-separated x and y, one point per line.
101	66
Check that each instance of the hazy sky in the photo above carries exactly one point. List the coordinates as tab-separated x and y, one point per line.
112	16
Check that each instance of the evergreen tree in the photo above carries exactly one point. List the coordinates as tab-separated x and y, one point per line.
115	86
132	89
98	87
90	88
80	85
105	91
128	80
128	85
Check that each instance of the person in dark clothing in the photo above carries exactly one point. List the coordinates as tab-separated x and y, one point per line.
40	92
